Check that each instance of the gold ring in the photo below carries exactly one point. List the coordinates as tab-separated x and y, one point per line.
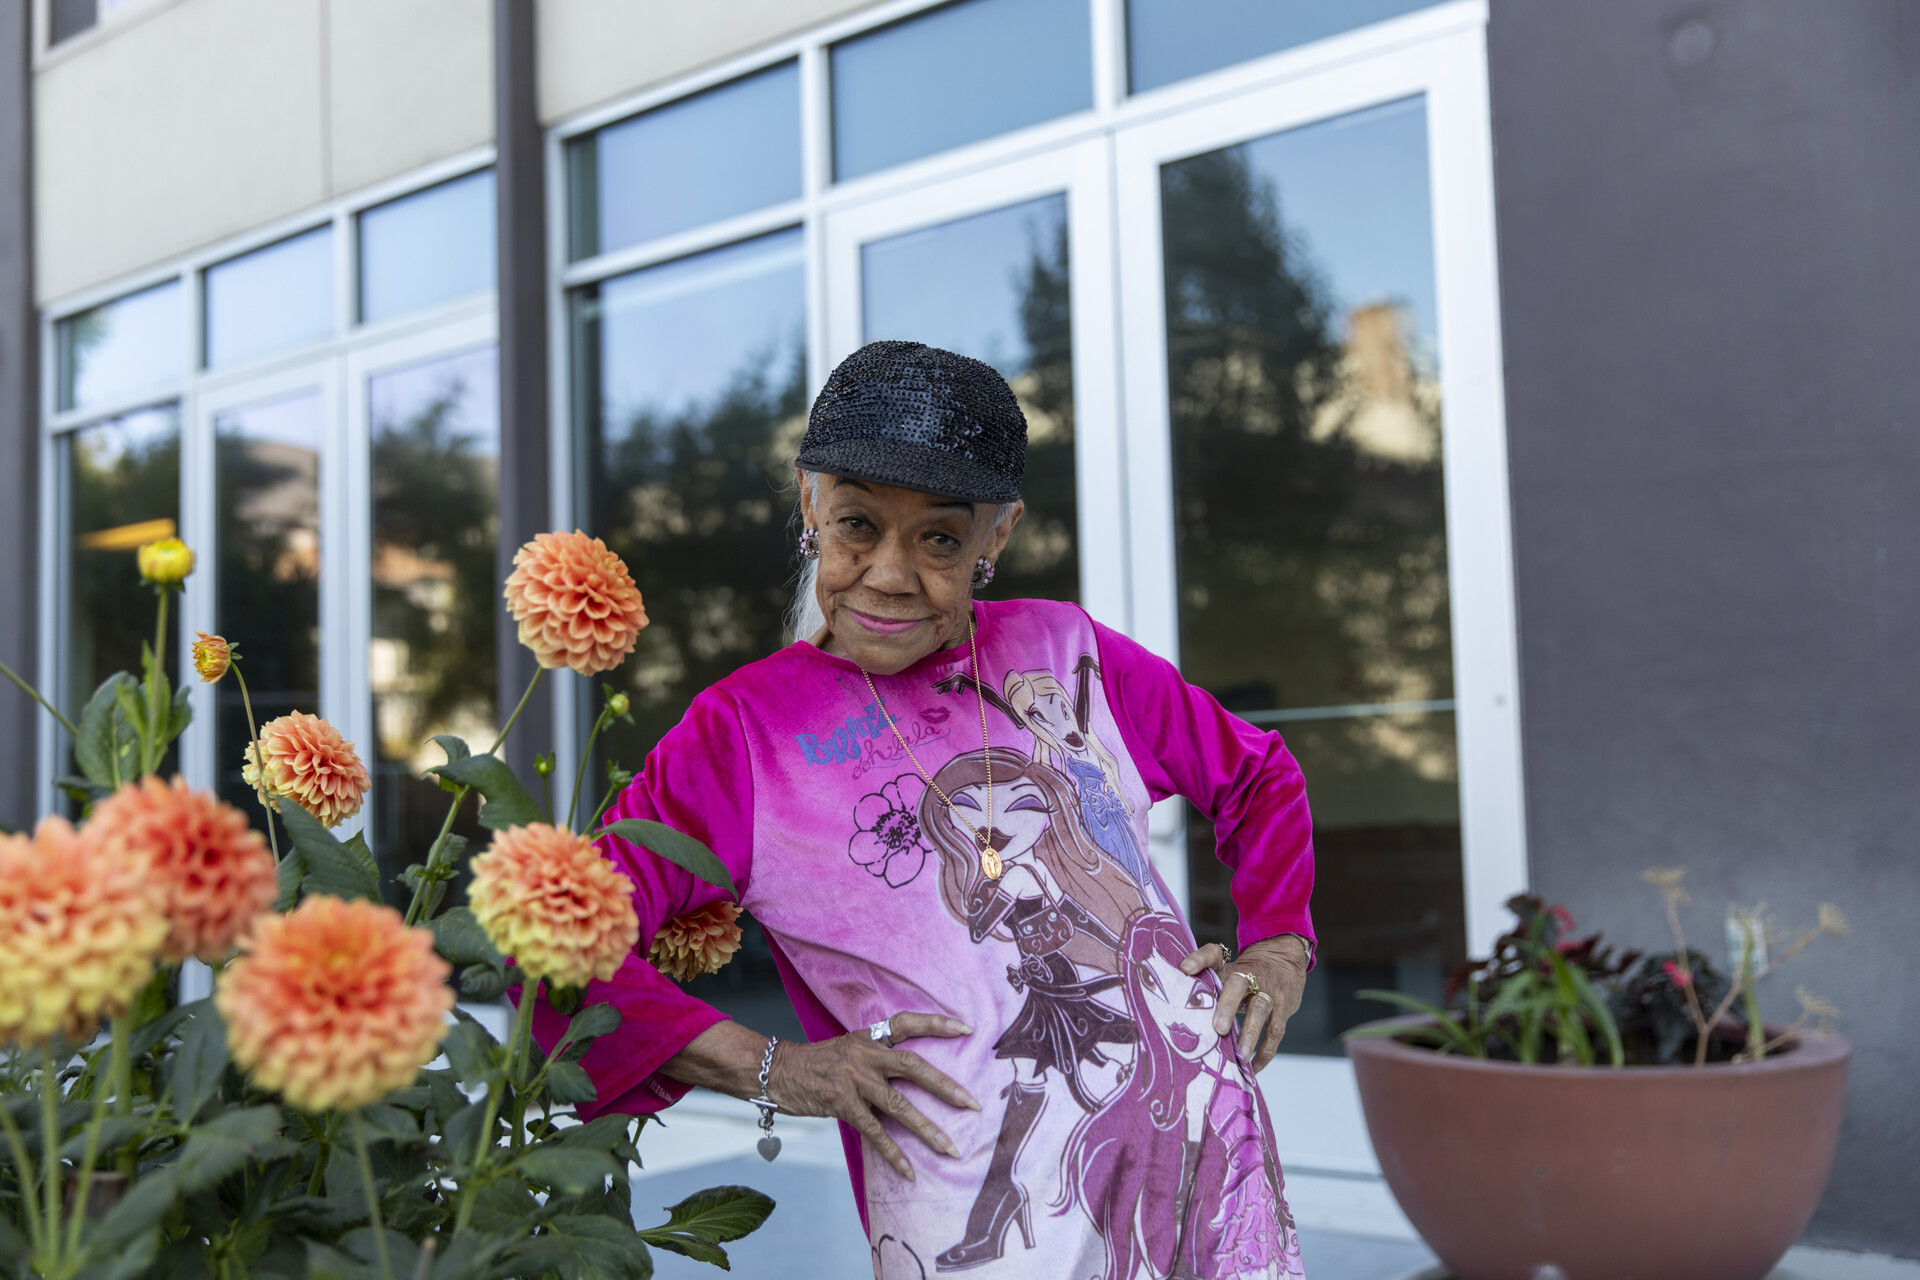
1253	983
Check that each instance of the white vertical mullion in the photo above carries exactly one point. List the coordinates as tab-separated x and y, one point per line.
816	168
1479	536
1108	26
199	606
354	595
565	507
1100	441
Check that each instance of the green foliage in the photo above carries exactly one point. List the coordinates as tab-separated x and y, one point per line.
508	803
676	847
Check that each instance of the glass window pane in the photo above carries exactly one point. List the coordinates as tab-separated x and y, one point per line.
436	600
957	75
120	348
270	299
995	287
691	383
68	18
1169	40
1310	524
122	480
267	482
720	153
427	247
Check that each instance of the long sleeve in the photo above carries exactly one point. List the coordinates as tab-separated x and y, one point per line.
697	780
1245	780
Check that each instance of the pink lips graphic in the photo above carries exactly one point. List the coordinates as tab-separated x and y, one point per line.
1184	1038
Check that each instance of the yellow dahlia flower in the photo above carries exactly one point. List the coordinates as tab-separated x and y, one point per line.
548	899
335	1004
165	563
308	762
698	942
79	930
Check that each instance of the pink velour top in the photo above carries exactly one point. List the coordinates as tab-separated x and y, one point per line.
1119	1137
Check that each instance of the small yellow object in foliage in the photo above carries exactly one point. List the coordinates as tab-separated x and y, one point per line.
212	656
548	899
618	705
698	942
165	563
304	759
212	870
335	1004
79	931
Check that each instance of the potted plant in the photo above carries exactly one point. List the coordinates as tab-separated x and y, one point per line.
329	1111
1572	1113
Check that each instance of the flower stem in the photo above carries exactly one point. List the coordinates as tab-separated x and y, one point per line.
155	744
613	789
586	758
260	755
50	1153
85	1183
373	1198
34	693
419	901
327	1135
517	1055
522	1028
24	1174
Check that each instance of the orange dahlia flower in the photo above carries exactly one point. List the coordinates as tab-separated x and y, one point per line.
308	762
212	655
79	930
697	942
335	1004
575	602
548	899
212	871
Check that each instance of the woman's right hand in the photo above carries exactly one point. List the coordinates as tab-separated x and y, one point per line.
850	1078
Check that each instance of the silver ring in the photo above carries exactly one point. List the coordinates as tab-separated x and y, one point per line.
881	1032
1226	954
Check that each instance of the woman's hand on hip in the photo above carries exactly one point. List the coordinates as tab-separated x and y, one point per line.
850	1078
1265	983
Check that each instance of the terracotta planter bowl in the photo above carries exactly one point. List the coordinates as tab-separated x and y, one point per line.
1645	1173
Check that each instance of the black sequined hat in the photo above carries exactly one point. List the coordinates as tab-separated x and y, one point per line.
906	414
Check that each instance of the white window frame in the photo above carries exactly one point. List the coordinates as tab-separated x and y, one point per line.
329	364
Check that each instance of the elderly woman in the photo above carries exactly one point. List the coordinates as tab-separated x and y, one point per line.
936	807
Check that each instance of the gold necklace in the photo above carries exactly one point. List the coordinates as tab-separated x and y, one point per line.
990	865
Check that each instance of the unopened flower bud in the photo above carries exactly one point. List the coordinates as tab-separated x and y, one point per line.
165	563
543	765
212	656
617	705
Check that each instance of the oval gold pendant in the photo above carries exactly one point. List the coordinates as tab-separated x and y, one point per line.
990	865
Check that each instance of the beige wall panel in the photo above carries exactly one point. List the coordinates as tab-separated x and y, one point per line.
412	82
197	123
592	51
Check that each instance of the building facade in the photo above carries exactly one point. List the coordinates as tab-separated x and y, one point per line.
1503	401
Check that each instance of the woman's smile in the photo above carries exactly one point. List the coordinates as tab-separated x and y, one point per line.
885	626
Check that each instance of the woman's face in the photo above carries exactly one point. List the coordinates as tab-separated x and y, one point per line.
1052	712
1021	815
1182	1005
896	568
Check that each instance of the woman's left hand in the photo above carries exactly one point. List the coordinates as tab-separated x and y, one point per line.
1266	982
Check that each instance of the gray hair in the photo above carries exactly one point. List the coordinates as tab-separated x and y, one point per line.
804	617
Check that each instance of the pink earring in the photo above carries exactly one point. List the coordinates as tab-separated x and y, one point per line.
982	572
809	544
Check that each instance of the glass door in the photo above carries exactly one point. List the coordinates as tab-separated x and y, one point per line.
1317	461
1010	266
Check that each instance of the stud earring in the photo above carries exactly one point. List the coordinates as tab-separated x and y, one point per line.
809	544
982	572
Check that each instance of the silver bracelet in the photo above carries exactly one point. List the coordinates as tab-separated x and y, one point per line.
769	1145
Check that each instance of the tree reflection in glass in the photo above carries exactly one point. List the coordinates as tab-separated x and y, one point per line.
691	395
267	462
122	490
1311	525
436	601
994	286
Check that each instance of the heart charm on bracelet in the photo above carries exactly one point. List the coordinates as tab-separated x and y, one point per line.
769	1147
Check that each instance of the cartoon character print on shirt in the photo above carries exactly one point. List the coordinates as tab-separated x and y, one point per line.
1065	909
1186	1117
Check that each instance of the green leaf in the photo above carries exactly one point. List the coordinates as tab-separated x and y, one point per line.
81	791
182	713
471	1053
508	803
602	1247
568	1082
127	1263
608	1133
147	1035
459	939
343	870
456	748
217	1148
483	981
708	1218
676	847
361	1244
200	1061
293	871
567	1169
584	1028
106	746
115	1132
148	1199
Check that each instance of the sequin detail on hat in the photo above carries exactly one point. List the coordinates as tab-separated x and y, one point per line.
906	414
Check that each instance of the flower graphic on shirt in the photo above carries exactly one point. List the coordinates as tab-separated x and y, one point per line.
889	842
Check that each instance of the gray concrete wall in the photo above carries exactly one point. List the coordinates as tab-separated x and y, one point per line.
19	415
1709	255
